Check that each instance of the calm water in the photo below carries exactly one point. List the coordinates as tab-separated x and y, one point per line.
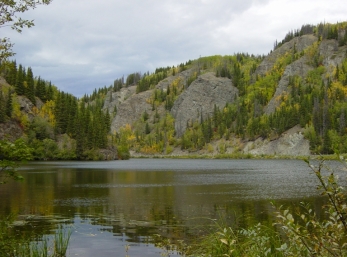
113	204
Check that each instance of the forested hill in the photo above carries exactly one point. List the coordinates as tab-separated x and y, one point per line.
290	102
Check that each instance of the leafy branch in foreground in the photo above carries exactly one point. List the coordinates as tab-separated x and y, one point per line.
11	154
307	235
9	17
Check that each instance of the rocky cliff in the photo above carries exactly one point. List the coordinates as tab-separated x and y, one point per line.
290	143
130	106
300	43
199	100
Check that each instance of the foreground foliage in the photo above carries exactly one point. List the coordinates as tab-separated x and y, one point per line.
10	16
11	155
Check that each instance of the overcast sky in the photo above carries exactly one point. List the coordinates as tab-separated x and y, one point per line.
81	45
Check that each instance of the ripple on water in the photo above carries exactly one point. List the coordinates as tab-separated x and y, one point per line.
80	201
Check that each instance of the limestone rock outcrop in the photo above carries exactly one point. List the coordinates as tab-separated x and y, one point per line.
297	68
290	143
200	98
300	44
131	108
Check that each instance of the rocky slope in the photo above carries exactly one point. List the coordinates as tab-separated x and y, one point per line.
207	91
328	50
200	98
131	106
299	68
198	101
300	43
290	143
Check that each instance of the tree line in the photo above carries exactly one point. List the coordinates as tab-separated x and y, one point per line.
323	31
63	126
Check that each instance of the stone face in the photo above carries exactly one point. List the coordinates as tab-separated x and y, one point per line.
291	143
199	99
300	44
131	106
332	54
297	68
184	75
113	99
131	110
10	131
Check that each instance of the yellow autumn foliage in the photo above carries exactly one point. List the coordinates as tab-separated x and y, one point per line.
47	112
21	117
153	149
337	91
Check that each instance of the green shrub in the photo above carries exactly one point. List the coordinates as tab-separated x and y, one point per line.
123	152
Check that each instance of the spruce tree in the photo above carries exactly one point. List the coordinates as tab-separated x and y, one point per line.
30	90
80	133
147	129
71	113
49	92
12	74
20	80
40	90
107	121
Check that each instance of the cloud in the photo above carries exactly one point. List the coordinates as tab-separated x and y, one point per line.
85	44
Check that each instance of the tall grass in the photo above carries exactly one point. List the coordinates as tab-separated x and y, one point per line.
12	245
61	241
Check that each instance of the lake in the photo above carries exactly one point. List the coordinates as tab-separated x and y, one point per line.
111	205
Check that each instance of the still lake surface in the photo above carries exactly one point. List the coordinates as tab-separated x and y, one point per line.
109	205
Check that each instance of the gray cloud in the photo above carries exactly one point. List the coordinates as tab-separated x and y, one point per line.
84	44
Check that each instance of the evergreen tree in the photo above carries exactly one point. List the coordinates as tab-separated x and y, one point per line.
12	73
40	90
79	135
147	129
20	80
49	92
30	89
72	106
107	121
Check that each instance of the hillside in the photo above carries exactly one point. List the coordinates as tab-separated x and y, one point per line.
289	102
54	124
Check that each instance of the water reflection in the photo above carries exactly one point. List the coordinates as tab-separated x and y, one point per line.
112	204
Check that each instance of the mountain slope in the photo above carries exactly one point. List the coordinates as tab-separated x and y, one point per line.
299	85
292	101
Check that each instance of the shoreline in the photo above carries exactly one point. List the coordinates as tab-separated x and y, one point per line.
237	156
